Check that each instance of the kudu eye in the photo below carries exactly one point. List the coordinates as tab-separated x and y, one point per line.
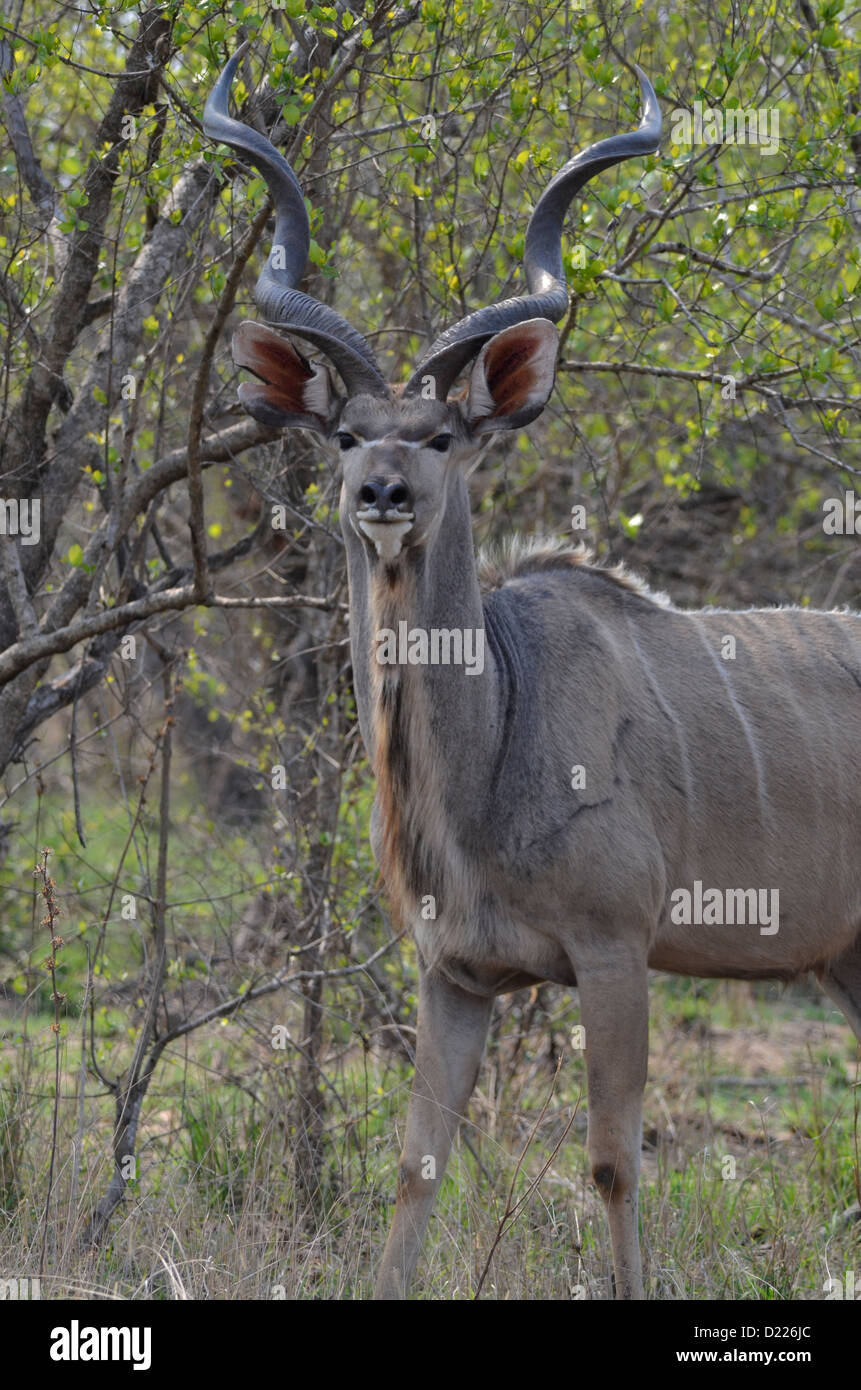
346	441
440	442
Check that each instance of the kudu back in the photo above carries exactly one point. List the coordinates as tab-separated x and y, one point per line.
712	750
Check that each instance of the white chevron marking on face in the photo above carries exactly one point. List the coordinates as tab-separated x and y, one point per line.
387	535
392	439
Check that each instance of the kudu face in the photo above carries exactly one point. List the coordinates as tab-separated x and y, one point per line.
398	451
396	467
398	458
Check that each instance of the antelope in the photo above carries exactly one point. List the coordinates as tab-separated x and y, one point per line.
716	748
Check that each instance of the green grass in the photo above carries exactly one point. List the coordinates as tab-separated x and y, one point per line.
751	1137
749	1163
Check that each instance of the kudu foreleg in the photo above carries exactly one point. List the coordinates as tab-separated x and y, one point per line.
452	1029
615	1012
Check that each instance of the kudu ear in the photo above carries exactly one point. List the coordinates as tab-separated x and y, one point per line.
291	391
513	377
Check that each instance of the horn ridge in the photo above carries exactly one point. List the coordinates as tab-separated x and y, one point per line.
276	295
547	291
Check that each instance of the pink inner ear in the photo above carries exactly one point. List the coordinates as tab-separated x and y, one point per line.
276	362
251	392
510	373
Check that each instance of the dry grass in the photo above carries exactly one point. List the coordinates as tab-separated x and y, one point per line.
761	1083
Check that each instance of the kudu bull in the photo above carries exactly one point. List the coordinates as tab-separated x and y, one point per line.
699	769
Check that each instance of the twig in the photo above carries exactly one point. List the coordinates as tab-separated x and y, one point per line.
52	913
513	1209
23	654
131	1092
198	400
753	382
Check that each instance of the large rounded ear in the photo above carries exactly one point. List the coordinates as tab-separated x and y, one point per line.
513	377
291	391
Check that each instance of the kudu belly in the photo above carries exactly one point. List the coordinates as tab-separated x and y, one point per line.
762	844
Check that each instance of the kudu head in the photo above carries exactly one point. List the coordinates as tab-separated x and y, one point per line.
399	444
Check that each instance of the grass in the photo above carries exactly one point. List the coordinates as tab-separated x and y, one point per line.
749	1163
751	1132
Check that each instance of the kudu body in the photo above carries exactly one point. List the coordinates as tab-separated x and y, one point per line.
731	772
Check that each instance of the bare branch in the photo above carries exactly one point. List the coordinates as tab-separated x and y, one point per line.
23	654
753	382
38	184
198	399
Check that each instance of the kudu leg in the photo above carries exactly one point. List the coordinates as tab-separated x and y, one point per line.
614	1009
452	1029
842	983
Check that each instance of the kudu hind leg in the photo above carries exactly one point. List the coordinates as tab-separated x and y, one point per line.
614	1008
841	981
452	1030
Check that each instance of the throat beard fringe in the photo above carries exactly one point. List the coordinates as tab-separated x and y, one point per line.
408	788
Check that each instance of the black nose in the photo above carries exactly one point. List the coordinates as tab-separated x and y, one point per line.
386	494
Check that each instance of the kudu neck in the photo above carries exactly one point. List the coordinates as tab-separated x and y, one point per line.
443	669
